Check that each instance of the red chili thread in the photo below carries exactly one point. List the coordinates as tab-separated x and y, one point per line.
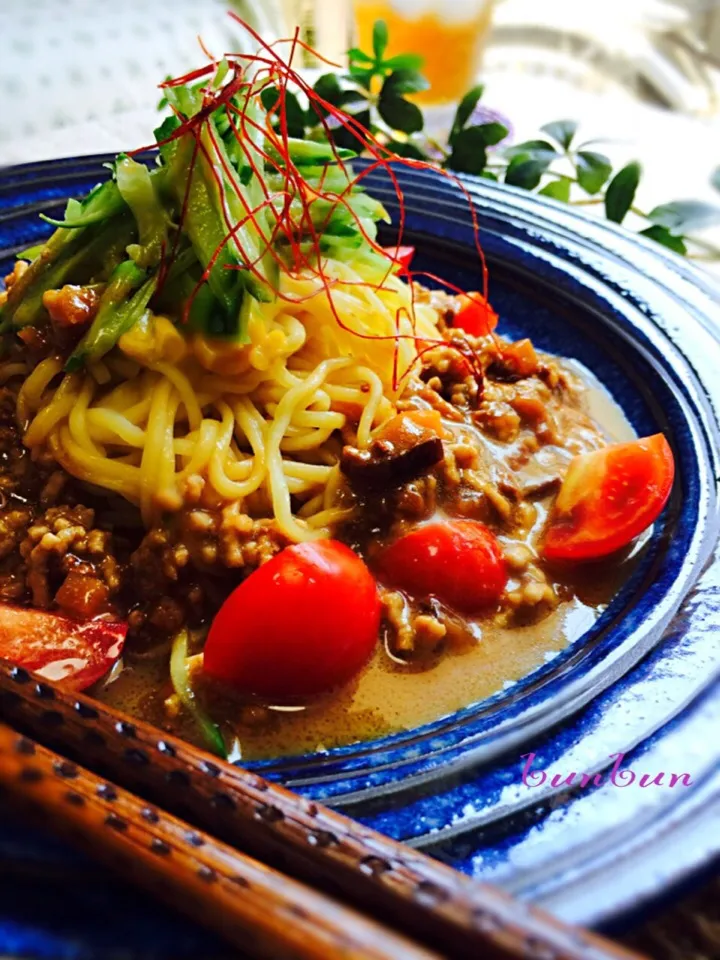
285	228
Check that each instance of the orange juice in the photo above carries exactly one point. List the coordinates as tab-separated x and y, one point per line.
450	36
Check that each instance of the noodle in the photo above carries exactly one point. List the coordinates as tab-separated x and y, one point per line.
253	424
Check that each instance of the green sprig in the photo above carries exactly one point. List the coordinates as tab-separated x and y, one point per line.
379	92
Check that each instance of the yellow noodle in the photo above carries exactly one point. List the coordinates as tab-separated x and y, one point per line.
226	487
278	486
202	452
312	506
185	389
126	395
54	412
102	471
258	425
152	453
167	496
311	472
109	426
10	370
327	519
99	372
333	484
77	420
34	386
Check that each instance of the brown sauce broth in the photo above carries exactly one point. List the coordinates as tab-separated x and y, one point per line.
390	696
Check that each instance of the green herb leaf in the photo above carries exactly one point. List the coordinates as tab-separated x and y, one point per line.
533	149
358	55
621	192
469	147
469	152
400	114
685	216
492	132
593	170
405	61
465	110
557	189
404	81
379	39
526	171
343	137
328	87
662	235
294	113
348	97
360	76
561	130
406	149
269	97
489	175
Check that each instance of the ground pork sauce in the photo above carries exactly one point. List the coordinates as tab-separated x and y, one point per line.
513	420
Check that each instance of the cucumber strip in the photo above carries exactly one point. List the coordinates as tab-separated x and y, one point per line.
78	263
203	225
100	204
138	190
62	243
312	152
252	237
118	311
181	685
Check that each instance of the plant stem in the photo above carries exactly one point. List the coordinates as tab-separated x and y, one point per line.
713	252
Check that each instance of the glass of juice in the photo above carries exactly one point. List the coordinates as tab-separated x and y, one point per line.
449	34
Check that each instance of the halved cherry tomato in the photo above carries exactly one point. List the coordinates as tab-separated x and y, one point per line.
608	497
474	315
401	255
457	561
75	652
302	623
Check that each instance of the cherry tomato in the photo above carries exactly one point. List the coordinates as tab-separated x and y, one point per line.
608	497
302	623
58	648
474	315
457	561
401	255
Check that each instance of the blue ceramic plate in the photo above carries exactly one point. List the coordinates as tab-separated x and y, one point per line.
638	691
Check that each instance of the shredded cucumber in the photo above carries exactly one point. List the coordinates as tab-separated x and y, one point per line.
181	685
204	234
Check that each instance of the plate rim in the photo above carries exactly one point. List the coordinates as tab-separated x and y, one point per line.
517	203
